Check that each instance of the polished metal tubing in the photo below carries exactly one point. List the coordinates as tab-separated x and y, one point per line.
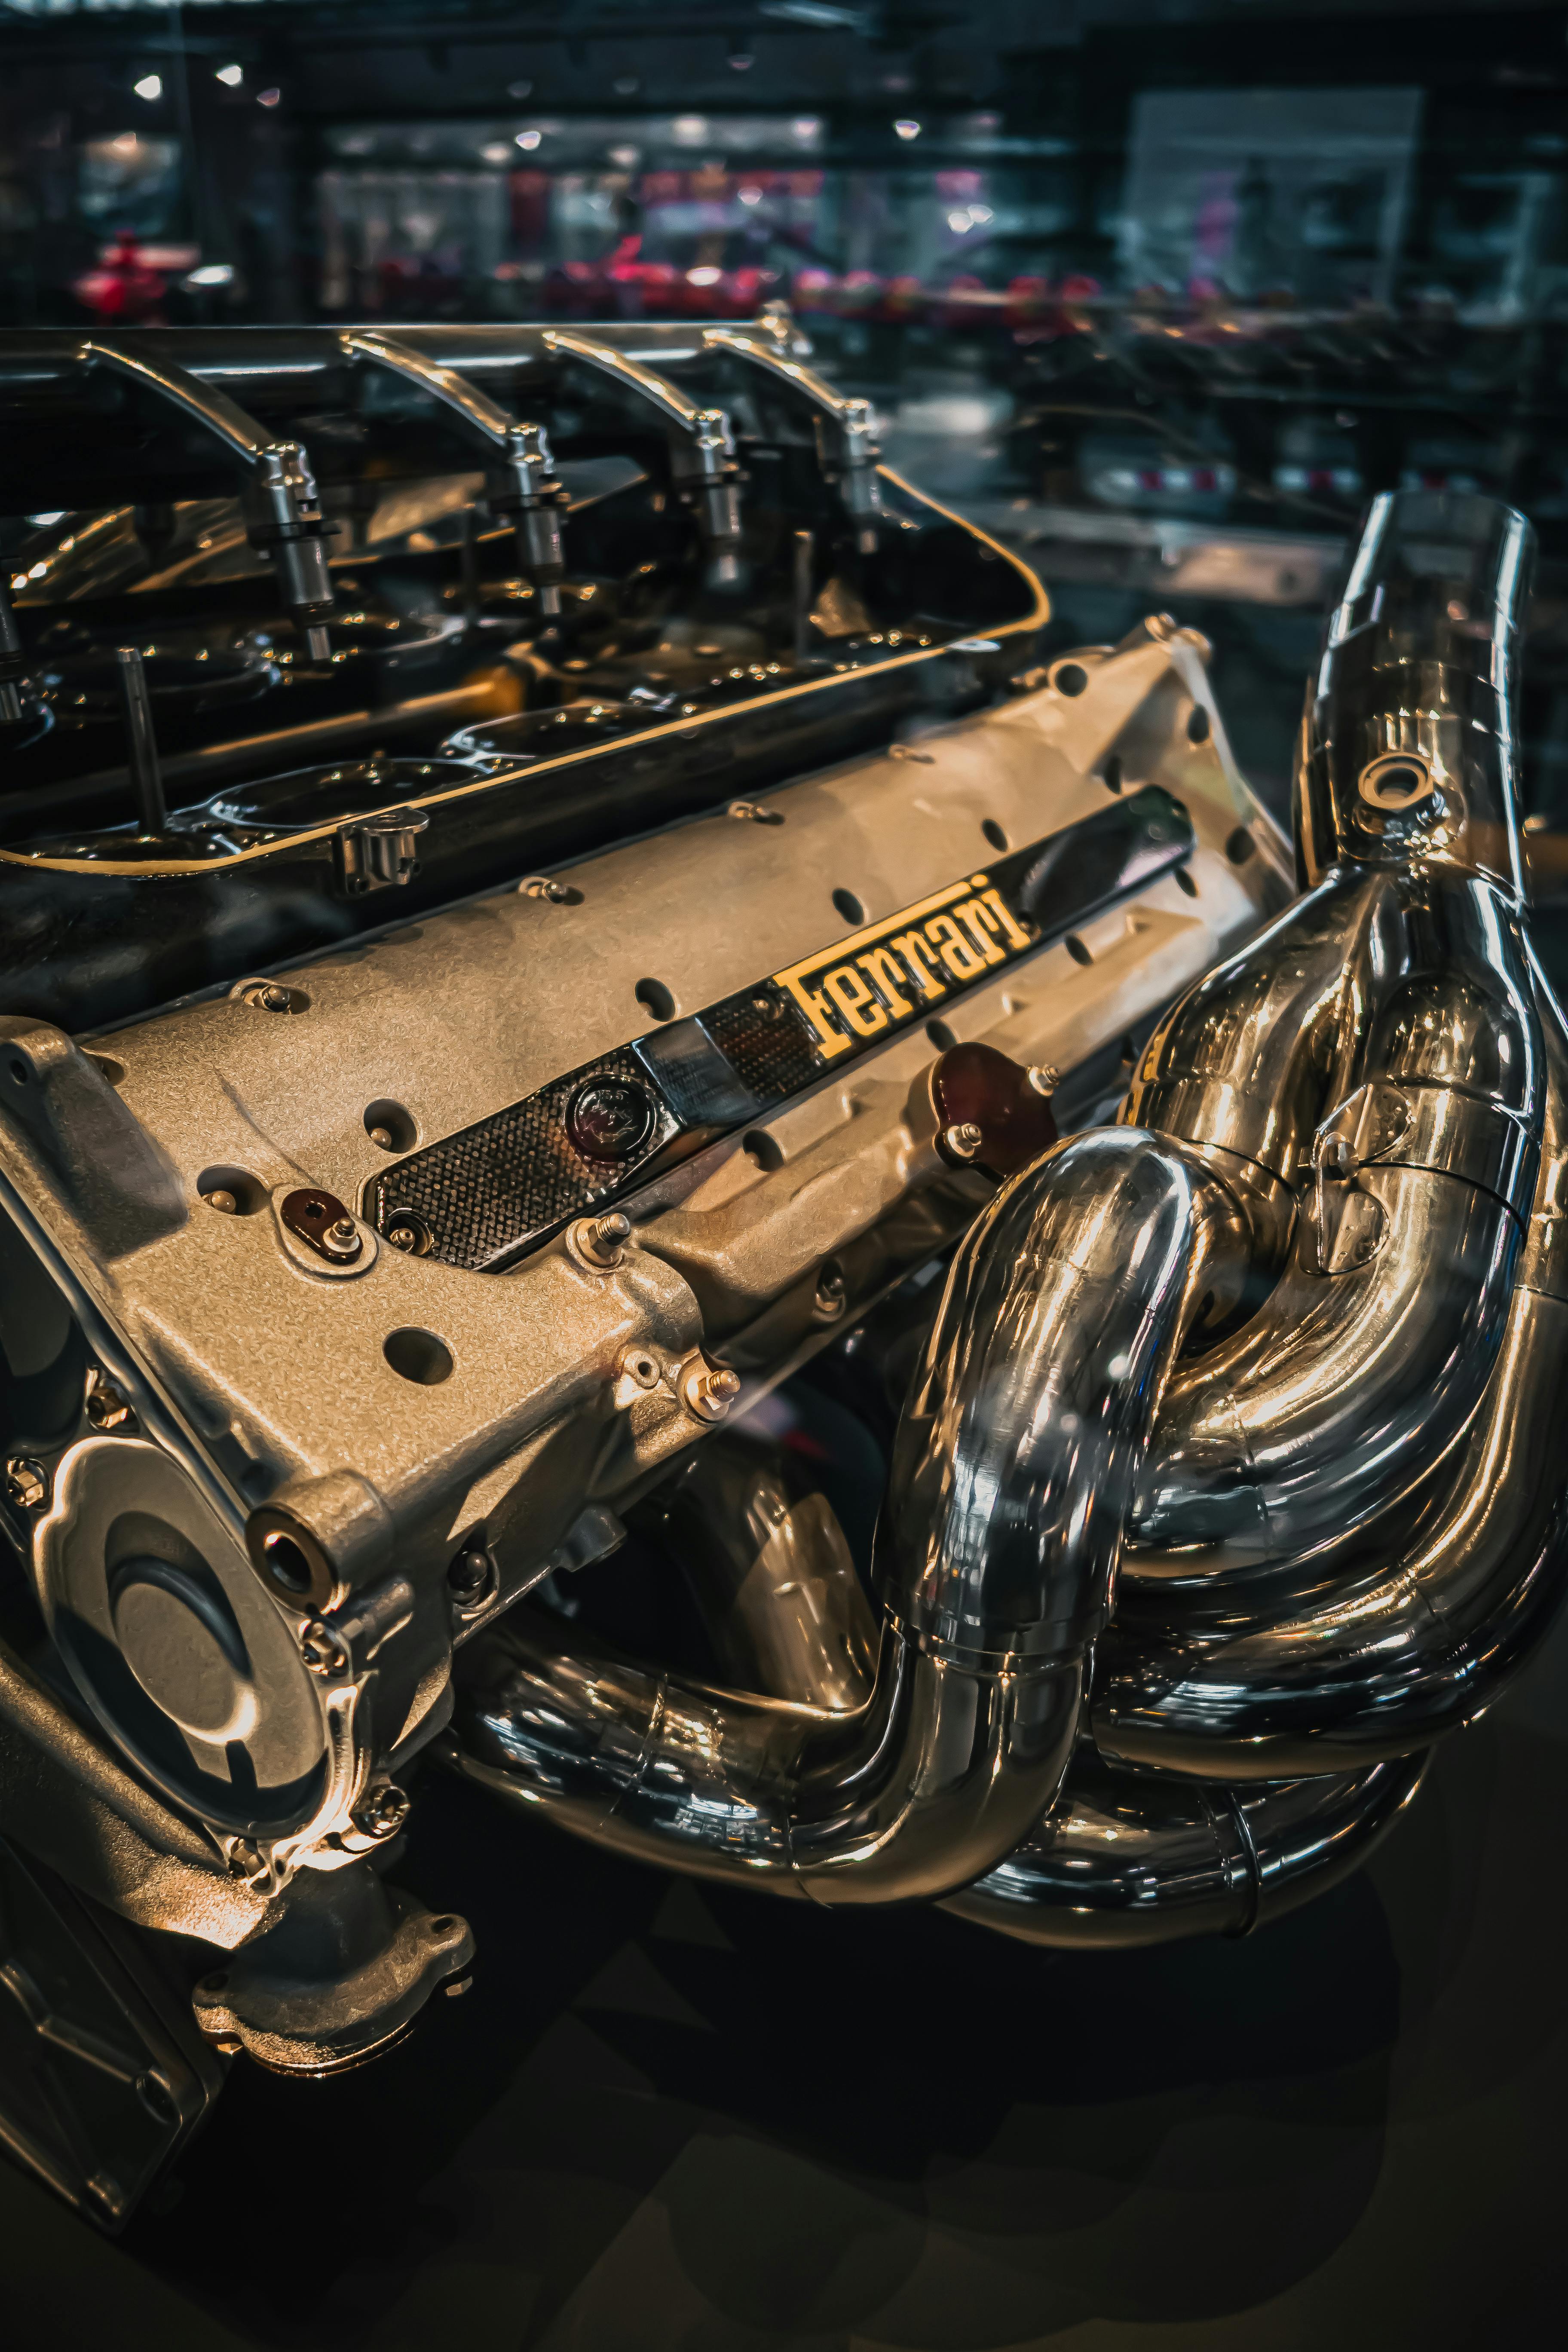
770	1571
1397	1099
1417	1631
1125	1860
1408	752
997	1559
142	743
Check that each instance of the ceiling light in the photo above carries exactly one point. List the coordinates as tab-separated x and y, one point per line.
750	196
627	86
496	152
907	127
520	89
232	75
704	275
529	139
150	87
806	126
689	129
211	273
269	97
959	222
626	157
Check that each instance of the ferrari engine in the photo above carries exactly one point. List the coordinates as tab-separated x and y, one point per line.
559	932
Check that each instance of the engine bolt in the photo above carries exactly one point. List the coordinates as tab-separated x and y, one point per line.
267	996
603	1240
471	1576
383	1137
962	1142
544	886
341	1239
224	1202
26	1483
382	1812
708	1389
324	1650
106	1408
830	1292
1045	1077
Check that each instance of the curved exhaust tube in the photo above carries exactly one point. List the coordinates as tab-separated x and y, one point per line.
996	1561
1298	1328
1124	1862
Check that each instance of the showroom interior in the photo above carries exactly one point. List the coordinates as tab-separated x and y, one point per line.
796	429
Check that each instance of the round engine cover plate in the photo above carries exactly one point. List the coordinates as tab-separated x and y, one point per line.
182	1655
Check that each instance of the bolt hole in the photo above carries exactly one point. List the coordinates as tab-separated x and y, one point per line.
1111	773
445	1925
237	1184
849	905
216	1984
18	1071
1240	846
1076	947
112	1070
1071	678
154	2094
941	1036
655	998
389	1127
418	1356
1197	724
1184	882
1397	787
762	1150
287	1565
993	833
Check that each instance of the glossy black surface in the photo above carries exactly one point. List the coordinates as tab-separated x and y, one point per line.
656	2126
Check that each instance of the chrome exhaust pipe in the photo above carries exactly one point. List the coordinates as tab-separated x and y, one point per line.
1276	1363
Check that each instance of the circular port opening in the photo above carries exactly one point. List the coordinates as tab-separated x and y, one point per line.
655	998
993	833
849	905
1396	783
941	1036
1111	773
234	1192
1240	846
1184	882
1197	724
389	1127
762	1150
418	1356
1071	678
286	1566
1078	949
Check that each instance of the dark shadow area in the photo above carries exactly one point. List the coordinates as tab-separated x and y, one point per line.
671	2115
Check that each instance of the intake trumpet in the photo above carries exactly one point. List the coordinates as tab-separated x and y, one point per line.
1226	1480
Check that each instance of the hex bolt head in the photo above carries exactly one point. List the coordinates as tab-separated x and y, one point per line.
341	1239
603	1240
1045	1077
105	1407
382	1812
26	1483
324	1650
830	1292
267	996
470	1576
708	1389
224	1202
962	1141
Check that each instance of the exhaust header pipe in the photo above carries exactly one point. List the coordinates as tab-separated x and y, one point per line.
1231	1451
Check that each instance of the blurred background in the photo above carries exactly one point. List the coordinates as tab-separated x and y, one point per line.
1162	291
